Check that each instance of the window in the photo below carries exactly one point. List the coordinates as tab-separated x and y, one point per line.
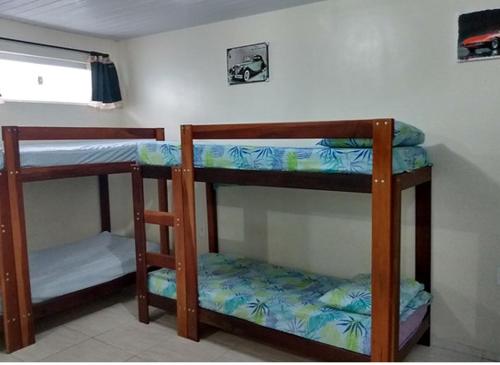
37	79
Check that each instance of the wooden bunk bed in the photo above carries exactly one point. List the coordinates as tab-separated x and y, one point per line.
384	186
18	310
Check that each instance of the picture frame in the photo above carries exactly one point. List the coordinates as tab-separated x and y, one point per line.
248	64
479	35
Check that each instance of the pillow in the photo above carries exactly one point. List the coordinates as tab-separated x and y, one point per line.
404	135
356	296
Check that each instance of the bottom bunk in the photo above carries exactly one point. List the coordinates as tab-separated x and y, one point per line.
68	274
292	301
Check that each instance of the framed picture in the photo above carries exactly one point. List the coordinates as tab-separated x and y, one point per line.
248	64
479	35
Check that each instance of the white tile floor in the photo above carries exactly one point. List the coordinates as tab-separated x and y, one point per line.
109	331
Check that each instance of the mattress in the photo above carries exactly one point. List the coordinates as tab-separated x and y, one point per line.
311	158
283	299
82	264
314	158
42	154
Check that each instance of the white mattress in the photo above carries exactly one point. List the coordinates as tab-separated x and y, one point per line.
58	153
64	269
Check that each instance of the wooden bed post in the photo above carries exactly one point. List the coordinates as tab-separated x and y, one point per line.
386	215
180	254
213	239
140	244
190	260
163	202
423	194
104	203
10	305
16	209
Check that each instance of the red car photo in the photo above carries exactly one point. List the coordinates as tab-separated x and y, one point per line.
479	35
489	40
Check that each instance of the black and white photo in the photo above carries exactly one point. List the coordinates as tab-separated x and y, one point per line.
248	64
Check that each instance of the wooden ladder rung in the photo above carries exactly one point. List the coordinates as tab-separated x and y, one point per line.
160	260
161	218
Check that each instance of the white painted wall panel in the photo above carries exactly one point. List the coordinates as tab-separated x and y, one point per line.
350	59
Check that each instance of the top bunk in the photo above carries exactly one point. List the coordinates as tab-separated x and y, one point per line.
42	153
337	155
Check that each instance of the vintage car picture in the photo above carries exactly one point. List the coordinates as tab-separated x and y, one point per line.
248	64
479	35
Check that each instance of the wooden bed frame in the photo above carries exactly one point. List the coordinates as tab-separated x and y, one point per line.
18	310
385	187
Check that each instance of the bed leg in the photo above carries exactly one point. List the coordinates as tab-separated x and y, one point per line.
213	243
423	195
11	328
386	226
18	227
104	203
185	311
140	245
189	223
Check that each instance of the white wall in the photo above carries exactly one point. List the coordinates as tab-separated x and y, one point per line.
61	211
350	59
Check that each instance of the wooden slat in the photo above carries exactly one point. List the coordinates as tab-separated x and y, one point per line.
294	344
67	171
104	203
189	223
414	178
160	260
286	179
140	244
156	172
355	183
161	218
423	249
164	303
211	197
322	129
18	225
10	304
77	133
163	202
83	296
386	211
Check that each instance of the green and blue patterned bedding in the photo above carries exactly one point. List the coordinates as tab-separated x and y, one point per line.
356	295
316	158
404	135
283	299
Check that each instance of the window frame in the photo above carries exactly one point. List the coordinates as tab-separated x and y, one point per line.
48	61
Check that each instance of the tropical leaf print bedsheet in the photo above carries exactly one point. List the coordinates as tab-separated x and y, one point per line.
313	159
277	297
404	135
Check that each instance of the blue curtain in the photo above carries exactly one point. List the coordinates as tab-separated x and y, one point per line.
105	84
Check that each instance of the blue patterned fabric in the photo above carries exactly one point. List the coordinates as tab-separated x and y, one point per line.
356	296
404	135
312	159
277	297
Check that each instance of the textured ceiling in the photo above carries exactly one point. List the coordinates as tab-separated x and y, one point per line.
122	19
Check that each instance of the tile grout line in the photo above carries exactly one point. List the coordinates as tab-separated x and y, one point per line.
64	349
